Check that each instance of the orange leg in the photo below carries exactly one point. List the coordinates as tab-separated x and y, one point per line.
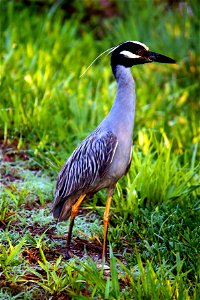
74	213
105	222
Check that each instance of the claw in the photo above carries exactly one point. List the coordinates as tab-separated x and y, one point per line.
68	254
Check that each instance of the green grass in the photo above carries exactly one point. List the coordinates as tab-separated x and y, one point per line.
46	109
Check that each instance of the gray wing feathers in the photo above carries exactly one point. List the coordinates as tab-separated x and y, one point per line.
87	163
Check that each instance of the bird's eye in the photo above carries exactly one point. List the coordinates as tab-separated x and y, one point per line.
141	52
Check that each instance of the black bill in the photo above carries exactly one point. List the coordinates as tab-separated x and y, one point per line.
153	56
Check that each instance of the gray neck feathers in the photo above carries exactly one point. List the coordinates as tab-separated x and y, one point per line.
125	98
120	120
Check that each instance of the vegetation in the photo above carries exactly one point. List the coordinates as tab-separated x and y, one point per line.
46	109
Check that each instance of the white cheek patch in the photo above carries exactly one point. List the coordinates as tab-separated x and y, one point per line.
129	54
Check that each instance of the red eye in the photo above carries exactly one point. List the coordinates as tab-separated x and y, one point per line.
141	52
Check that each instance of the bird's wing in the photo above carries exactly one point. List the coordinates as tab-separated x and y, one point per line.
88	162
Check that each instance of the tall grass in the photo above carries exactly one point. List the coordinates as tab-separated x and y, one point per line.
43	98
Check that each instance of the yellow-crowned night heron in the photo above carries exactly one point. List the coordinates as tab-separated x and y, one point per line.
105	155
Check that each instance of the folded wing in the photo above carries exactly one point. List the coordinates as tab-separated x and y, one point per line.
84	168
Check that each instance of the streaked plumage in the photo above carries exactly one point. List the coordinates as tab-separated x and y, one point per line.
84	171
105	155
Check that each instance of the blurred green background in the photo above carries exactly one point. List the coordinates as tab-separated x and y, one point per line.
46	45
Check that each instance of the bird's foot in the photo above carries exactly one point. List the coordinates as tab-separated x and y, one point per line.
68	254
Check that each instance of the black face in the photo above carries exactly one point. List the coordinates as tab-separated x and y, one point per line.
132	53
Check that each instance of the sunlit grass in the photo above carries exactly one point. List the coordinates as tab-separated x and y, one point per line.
44	99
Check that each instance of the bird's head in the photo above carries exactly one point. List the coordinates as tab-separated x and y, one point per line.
132	53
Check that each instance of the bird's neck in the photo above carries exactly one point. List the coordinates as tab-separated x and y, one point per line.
121	116
123	110
125	87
